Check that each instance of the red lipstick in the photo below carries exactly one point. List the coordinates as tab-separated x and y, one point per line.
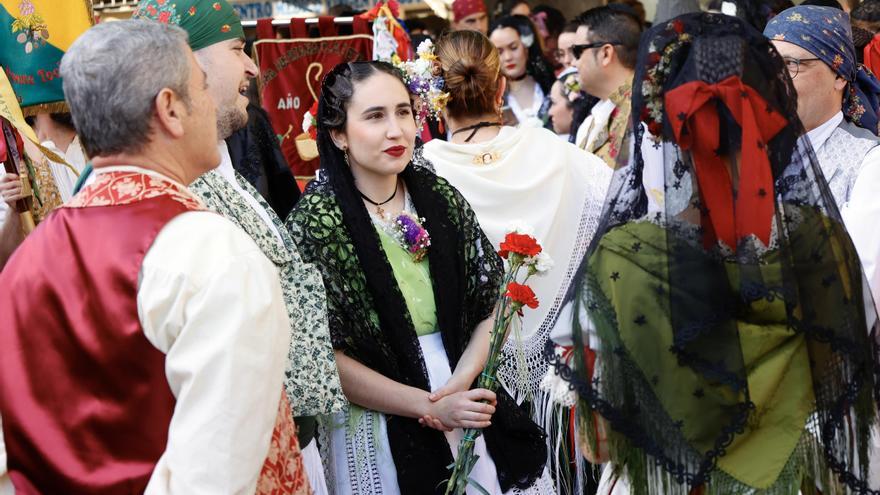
396	151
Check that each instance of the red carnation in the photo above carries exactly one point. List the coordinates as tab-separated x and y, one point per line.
217	6
164	17
524	245
521	294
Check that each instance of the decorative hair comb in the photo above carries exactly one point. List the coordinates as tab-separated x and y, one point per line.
659	64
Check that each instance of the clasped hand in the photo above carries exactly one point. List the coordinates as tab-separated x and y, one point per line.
454	406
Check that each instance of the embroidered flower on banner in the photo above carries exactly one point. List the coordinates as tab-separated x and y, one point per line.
310	121
30	26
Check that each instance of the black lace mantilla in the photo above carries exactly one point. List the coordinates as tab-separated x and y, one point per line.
807	281
369	320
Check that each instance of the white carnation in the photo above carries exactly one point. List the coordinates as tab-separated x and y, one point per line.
543	263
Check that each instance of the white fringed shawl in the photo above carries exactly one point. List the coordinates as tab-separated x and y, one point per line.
540	180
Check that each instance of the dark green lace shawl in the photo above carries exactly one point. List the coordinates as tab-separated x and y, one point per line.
365	317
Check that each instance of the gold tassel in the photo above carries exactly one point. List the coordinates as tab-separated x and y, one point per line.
54	107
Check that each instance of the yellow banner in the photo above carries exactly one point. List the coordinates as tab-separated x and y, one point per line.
10	111
64	20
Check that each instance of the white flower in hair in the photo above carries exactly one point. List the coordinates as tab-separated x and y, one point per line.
422	66
528	40
426	48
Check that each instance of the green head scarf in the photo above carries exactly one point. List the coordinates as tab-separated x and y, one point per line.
206	21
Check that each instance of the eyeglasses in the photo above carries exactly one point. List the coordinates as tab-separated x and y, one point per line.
794	64
577	50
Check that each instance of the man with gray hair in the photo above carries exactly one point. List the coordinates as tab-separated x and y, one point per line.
312	380
129	362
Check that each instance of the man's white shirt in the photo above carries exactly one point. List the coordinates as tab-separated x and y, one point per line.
211	302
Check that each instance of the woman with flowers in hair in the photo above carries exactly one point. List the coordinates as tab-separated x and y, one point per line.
567	103
526	174
411	285
529	75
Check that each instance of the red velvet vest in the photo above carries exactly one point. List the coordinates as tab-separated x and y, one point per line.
83	396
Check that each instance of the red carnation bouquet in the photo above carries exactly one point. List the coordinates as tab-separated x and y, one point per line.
524	258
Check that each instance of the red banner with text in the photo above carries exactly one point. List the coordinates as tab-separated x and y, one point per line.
291	72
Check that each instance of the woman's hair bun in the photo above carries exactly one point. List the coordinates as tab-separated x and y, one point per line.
471	69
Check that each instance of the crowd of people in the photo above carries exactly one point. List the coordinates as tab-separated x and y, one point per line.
185	320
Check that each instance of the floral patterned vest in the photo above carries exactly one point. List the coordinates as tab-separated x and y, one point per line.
312	380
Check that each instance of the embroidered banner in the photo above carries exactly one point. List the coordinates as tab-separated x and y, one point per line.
34	34
291	72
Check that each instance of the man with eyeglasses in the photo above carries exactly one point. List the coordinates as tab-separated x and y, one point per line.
837	100
604	54
837	104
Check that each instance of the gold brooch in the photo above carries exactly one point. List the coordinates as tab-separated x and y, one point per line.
486	158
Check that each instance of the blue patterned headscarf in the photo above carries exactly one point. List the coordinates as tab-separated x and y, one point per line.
825	32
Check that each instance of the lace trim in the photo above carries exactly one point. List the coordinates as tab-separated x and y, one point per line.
531	352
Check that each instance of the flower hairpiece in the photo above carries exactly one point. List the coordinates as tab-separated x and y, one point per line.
423	80
571	87
658	66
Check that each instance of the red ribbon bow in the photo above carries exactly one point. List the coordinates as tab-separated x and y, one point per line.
691	107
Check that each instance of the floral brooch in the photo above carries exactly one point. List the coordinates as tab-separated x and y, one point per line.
408	232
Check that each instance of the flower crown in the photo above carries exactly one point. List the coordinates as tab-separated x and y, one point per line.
422	78
658	67
571	87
